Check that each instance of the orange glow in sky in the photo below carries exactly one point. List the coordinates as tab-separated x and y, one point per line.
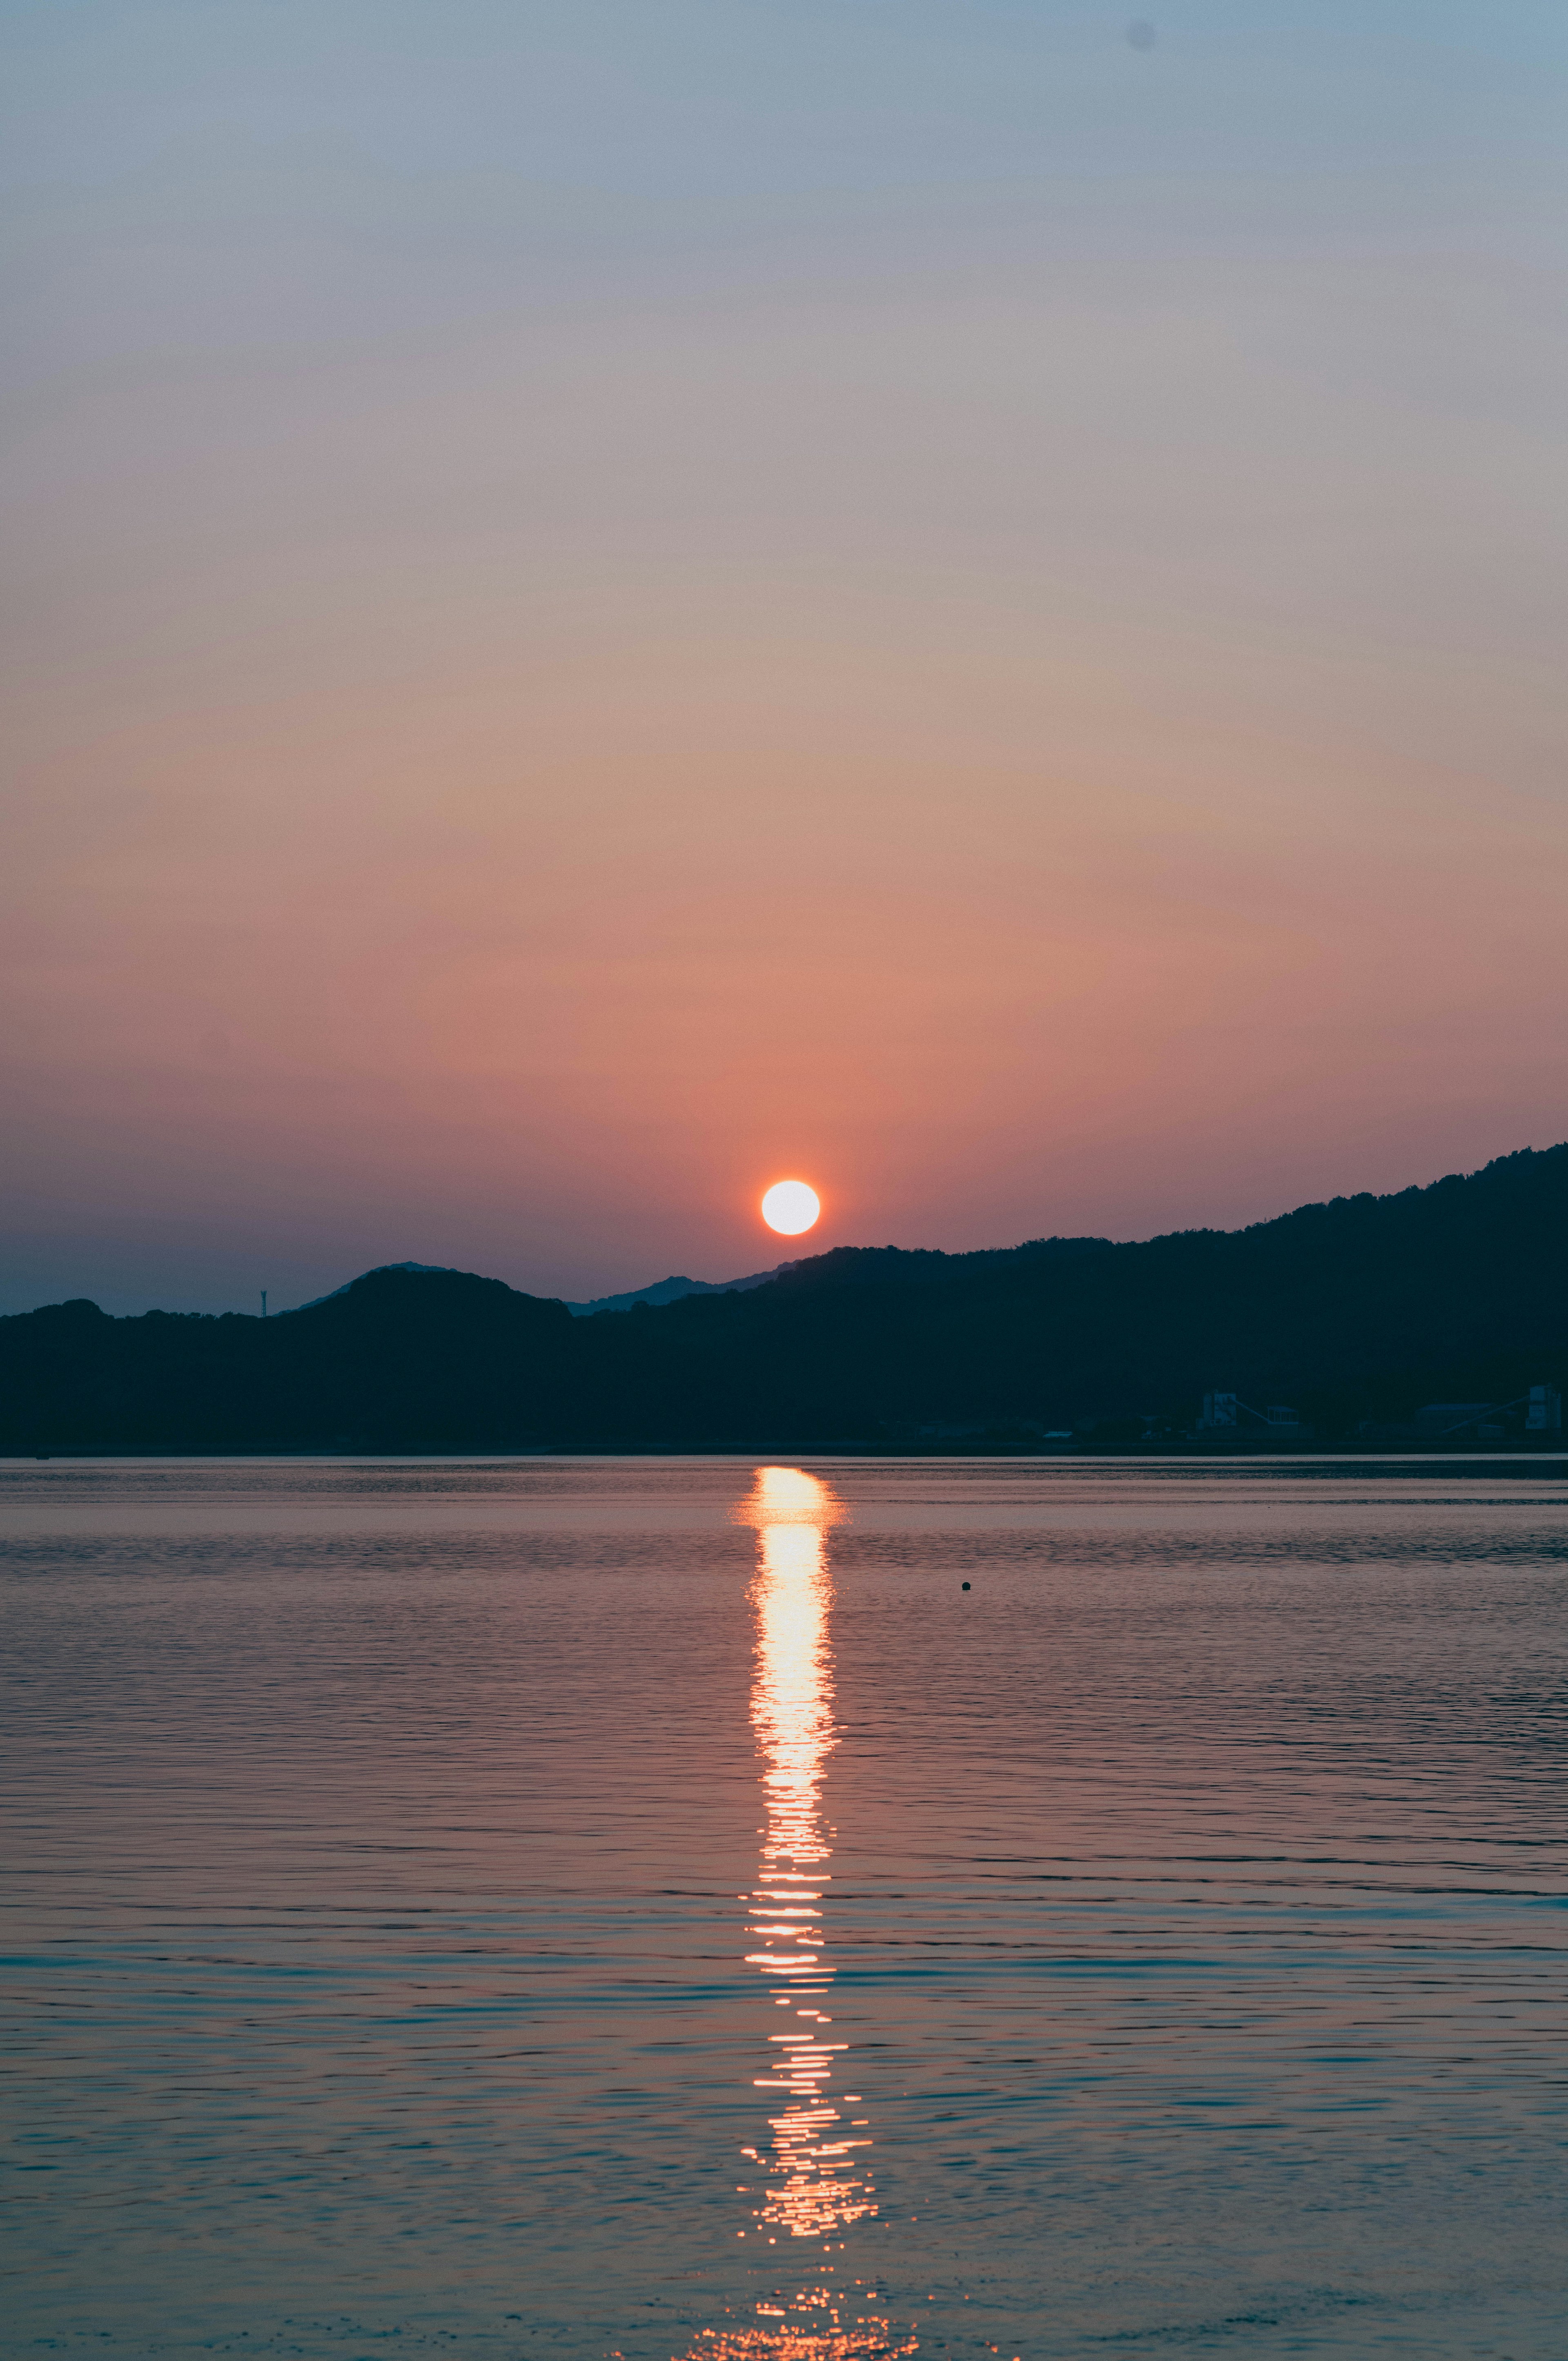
1043	707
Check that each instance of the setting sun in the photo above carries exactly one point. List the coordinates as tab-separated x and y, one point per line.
790	1207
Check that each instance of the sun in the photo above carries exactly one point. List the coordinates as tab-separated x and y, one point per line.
790	1207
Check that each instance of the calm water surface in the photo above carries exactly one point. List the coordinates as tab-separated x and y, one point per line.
651	1908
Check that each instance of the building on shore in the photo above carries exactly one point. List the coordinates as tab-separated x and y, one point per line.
1228	1414
1543	1410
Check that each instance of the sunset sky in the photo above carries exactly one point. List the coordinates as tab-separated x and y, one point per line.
609	601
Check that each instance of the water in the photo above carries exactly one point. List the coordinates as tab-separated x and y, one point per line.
649	1907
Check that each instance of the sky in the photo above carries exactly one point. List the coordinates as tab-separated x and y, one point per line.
606	602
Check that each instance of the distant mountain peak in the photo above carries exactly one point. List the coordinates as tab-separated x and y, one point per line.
662	1292
670	1291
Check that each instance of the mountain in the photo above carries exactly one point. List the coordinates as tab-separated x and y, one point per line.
667	1290
449	1360
1363	1310
444	1268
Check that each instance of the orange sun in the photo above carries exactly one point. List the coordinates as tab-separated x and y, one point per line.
790	1207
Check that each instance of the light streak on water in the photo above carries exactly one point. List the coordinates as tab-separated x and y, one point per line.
814	2177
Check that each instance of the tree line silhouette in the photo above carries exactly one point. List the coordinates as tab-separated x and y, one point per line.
1356	1311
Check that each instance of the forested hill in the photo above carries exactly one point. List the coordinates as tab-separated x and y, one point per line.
1357	1310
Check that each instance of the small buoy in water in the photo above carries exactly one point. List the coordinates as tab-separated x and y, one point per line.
966	1586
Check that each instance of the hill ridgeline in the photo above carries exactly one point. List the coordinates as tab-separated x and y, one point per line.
1355	1315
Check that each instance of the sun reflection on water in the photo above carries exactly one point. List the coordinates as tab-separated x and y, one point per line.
812	2180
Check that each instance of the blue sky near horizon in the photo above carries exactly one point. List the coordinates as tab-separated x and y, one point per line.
604	602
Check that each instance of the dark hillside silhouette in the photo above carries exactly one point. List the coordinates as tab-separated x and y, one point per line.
1355	1310
443	1357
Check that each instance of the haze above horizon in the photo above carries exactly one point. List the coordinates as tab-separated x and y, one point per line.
608	604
